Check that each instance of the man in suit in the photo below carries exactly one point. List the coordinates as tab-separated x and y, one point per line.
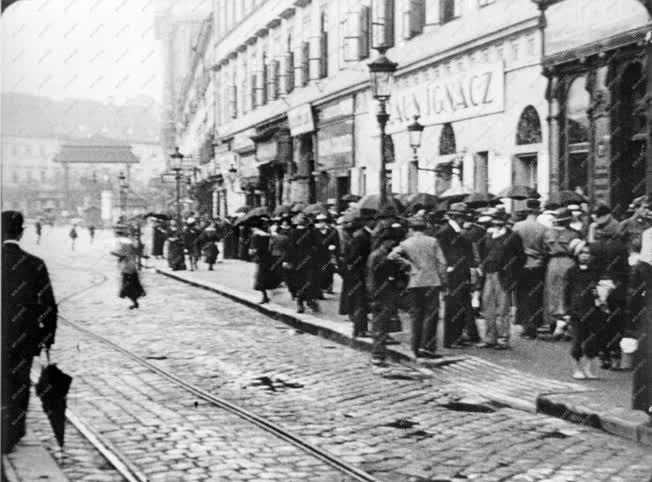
355	260
427	265
458	251
29	322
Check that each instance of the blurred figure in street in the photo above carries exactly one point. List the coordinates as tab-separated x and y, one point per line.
301	264
279	248
640	309
425	261
529	292
557	241
91	232
348	225
547	217
503	258
355	262
127	254
158	238
458	251
632	228
327	248
189	236
207	242
39	228
580	298
260	253
386	280
29	322
73	236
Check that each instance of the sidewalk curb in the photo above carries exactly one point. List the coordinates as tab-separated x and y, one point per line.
628	423
31	461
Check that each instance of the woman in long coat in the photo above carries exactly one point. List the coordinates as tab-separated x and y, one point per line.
158	239
302	264
280	248
260	253
207	242
349	225
557	242
127	254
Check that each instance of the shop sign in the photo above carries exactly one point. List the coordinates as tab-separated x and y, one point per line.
335	110
266	151
335	145
300	120
473	93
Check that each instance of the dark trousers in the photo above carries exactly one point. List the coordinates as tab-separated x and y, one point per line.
423	307
529	300
382	316
359	307
15	400
458	308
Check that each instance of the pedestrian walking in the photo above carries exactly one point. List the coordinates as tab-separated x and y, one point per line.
158	238
355	289
640	309
72	234
458	251
349	224
301	264
580	291
91	232
127	254
207	243
612	262
386	281
280	250
557	241
29	323
425	261
529	292
502	257
39	228
327	248
189	236
266	277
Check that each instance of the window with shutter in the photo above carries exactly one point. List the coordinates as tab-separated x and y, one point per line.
263	86
276	79
254	103
305	63
417	17
446	10
323	58
233	101
382	24
289	68
365	24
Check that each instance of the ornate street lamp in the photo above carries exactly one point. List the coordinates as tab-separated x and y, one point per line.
176	165
415	131
123	186
381	72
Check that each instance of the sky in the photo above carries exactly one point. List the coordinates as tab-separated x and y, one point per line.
104	50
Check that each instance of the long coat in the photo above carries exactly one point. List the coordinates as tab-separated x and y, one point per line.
266	278
158	240
324	256
302	261
642	387
354	283
207	242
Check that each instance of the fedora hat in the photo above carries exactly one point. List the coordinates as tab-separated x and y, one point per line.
563	214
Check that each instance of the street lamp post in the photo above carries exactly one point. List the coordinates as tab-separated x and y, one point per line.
381	72
177	167
415	131
123	186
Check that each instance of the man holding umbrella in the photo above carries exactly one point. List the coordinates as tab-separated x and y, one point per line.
29	322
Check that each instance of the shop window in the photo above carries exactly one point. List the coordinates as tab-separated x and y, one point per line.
528	130
576	135
447	141
446	10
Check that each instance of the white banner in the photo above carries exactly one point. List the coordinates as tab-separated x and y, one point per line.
478	91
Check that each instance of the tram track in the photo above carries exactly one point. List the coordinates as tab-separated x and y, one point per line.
129	469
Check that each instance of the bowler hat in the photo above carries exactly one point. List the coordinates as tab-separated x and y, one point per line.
563	214
457	209
12	223
499	215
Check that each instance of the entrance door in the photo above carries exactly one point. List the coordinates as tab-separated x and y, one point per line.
524	173
343	188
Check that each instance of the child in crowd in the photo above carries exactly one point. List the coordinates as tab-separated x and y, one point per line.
585	315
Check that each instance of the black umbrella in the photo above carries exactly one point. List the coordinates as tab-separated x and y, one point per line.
283	209
52	388
162	216
420	200
258	212
519	192
564	198
297	207
350	198
480	200
315	208
371	202
243	209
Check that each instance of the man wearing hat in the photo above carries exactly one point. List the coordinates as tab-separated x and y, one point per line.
502	257
427	264
301	263
326	251
632	228
529	293
29	322
458	252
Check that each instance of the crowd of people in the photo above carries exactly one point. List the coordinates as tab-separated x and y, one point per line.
568	271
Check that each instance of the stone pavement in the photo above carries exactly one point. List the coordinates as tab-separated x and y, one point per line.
400	424
534	386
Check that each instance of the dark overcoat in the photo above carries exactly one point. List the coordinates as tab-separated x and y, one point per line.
354	282
302	260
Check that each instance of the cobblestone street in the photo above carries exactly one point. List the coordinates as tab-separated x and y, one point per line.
398	425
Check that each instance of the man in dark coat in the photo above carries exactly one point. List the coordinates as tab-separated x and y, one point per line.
327	248
458	252
301	263
190	235
29	321
355	260
158	239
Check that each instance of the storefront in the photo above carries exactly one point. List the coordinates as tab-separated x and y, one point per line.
273	155
301	181
596	90
335	131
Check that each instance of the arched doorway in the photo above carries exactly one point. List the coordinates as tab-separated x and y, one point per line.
628	164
